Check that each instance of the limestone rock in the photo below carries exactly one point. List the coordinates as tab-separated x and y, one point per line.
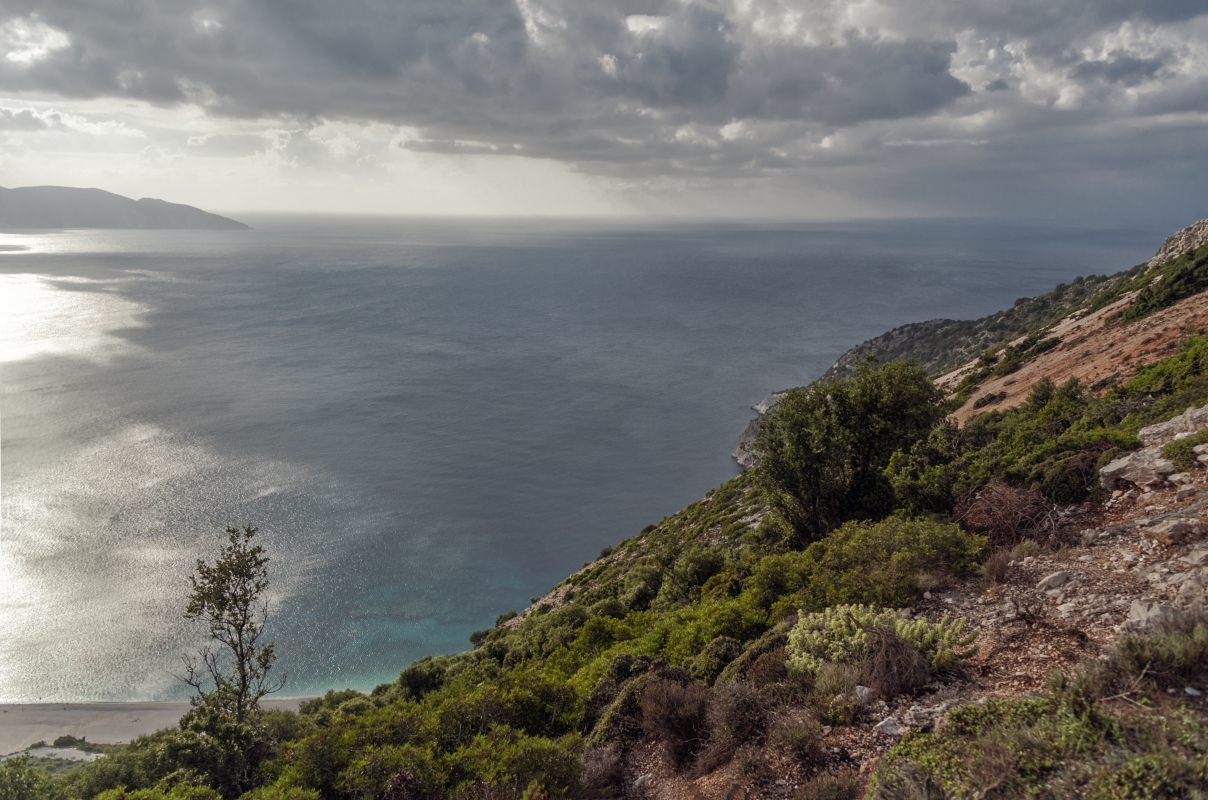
927	719
1053	581
1142	468
1173	530
890	726
744	454
1190	421
1145	614
863	694
1188	239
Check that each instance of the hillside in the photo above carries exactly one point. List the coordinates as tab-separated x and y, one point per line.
66	207
1077	319
944	344
901	600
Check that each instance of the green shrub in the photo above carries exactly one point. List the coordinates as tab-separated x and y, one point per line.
841	635
370	771
822	449
709	663
179	792
866	563
1174	656
20	781
329	701
1180	278
1180	452
508	762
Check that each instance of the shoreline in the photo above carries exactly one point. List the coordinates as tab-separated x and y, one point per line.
22	724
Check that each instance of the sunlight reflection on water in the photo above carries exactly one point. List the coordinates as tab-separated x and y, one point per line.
37	317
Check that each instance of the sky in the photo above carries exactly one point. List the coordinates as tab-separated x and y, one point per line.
1072	111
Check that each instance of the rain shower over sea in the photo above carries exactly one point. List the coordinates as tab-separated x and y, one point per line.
430	421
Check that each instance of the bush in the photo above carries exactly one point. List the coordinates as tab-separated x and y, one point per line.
179	792
995	569
822	449
845	635
714	658
1006	516
875	564
799	736
845	786
330	701
20	781
603	773
508	763
677	716
1181	278
738	717
683	581
769	668
1176	655
1180	452
613	710
893	666
373	768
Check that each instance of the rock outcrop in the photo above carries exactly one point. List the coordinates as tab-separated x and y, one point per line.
1191	421
1147	467
1189	238
744	454
1141	468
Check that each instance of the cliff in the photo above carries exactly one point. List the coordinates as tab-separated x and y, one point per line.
67	207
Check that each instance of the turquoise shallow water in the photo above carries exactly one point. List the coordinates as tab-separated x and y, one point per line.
430	421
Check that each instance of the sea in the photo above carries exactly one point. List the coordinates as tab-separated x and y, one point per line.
429	421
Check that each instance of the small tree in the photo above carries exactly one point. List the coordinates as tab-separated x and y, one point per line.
823	449
228	597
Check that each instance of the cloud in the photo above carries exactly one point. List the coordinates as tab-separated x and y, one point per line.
1119	68
25	41
685	89
32	119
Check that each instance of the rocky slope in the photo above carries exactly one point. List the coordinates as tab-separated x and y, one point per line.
1141	562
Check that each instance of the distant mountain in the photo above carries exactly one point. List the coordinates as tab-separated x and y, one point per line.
67	207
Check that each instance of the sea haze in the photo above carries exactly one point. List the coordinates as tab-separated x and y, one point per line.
429	421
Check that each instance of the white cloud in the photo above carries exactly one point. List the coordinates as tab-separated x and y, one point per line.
27	40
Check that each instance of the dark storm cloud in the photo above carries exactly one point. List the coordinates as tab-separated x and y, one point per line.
663	85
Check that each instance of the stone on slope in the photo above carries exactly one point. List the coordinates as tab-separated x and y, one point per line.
1190	421
1146	614
890	726
1142	468
1173	530
1053	581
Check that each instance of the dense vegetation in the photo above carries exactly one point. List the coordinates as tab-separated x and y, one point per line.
731	632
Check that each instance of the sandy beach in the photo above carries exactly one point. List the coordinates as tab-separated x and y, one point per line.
104	723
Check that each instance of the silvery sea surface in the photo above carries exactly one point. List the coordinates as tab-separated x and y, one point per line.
430	421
